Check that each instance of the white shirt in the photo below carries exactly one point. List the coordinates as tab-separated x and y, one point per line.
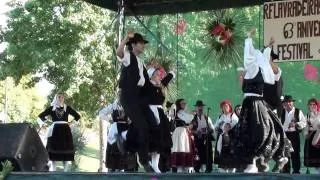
314	120
232	120
106	111
126	62
255	60
289	117
202	123
184	116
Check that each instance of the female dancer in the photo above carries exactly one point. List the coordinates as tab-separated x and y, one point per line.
60	143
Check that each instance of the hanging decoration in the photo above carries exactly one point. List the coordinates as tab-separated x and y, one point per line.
221	33
225	34
180	27
310	72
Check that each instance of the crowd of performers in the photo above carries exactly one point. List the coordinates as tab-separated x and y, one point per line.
161	139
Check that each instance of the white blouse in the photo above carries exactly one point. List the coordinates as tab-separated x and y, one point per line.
313	122
254	59
184	116
202	123
232	120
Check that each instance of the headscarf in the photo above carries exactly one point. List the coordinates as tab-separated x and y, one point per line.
226	102
56	103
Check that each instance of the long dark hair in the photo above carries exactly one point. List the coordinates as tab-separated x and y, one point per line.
178	104
129	46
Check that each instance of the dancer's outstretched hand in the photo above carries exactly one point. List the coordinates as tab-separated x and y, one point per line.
252	32
272	41
129	35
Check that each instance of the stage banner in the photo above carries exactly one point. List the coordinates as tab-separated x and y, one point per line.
295	26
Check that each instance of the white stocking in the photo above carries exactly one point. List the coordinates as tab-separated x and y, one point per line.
252	168
179	169
53	166
155	162
190	170
66	165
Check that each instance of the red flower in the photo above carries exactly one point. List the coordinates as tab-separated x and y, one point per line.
310	72
217	30
180	26
162	72
225	37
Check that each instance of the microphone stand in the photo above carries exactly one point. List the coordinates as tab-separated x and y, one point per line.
207	139
308	143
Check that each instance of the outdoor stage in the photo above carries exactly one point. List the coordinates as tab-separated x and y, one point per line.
170	176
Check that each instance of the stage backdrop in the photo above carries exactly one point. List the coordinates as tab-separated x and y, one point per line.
295	25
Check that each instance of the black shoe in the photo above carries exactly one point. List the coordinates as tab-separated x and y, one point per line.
275	169
262	165
147	168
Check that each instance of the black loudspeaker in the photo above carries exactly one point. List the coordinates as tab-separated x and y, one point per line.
21	144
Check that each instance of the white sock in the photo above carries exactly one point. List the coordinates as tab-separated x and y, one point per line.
53	166
251	168
233	170
203	168
66	165
190	170
179	169
155	162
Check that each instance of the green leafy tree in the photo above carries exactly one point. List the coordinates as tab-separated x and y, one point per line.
24	103
69	43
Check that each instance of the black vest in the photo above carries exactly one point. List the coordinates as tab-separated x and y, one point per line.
295	116
130	77
118	115
154	93
272	94
254	85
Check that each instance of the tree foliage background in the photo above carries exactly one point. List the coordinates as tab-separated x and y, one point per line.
71	44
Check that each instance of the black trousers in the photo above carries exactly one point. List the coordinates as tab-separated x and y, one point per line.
205	153
295	156
137	136
164	161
